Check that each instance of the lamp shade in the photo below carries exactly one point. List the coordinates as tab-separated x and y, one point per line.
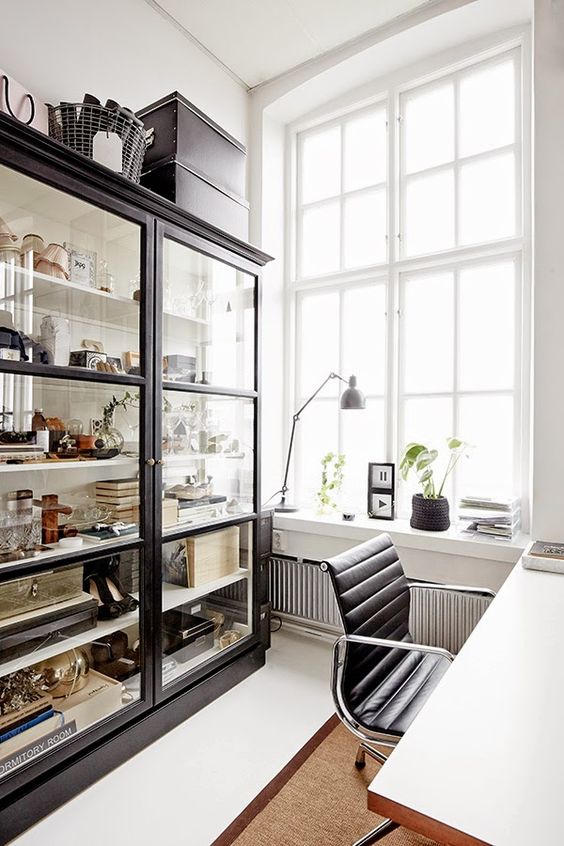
352	397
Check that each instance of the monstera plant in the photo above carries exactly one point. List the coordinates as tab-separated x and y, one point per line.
430	509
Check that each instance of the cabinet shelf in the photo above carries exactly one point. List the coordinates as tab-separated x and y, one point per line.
34	466
69	299
174	595
182	318
55	371
185	458
103	627
56	554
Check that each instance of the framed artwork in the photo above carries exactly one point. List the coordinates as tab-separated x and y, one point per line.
82	266
381	491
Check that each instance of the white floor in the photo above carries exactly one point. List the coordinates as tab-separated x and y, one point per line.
195	780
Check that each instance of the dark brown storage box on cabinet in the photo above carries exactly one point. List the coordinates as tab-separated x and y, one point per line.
23	635
195	163
185	635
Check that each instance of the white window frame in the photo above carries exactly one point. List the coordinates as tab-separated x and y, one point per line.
397	265
341	197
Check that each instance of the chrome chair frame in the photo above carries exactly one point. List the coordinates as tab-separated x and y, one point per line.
367	736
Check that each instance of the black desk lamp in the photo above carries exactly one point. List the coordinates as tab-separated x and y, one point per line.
351	398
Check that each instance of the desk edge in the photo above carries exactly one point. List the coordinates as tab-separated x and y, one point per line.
421	823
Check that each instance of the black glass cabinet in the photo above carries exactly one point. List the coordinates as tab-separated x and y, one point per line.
129	470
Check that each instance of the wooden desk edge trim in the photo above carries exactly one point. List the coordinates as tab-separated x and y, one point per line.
420	823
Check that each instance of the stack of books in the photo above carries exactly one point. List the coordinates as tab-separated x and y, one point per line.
200	510
30	714
545	555
121	496
498	518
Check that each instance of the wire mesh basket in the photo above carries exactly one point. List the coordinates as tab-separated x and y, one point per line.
77	124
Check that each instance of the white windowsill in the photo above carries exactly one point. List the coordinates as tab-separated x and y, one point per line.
451	542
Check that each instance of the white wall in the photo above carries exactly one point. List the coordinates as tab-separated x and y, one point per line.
118	49
548	455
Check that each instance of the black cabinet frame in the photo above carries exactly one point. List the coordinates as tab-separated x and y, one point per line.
38	788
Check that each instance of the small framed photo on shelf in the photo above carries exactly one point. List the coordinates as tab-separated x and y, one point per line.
381	490
82	266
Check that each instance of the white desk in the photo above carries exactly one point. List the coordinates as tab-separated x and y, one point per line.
484	760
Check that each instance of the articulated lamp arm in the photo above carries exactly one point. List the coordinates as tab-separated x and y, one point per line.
296	417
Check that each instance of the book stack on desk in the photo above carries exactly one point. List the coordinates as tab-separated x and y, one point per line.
545	555
497	518
121	496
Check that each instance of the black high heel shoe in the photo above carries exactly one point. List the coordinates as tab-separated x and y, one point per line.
108	608
124	599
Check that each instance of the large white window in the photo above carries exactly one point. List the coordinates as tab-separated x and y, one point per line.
409	272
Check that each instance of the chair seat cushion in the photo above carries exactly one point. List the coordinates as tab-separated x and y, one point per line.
392	703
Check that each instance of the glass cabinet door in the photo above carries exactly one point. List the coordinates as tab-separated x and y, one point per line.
208	463
70	286
72	439
206	597
208	320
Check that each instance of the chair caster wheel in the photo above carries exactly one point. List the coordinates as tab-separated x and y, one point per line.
360	765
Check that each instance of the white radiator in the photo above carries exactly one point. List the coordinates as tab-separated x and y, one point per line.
300	591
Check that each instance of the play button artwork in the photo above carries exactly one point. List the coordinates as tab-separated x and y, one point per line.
381	505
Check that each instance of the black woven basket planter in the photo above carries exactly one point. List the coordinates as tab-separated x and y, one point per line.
430	515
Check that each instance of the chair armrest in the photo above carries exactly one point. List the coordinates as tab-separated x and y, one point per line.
474	591
393	644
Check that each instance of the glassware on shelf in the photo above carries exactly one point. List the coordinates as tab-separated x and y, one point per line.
105	281
20	525
109	442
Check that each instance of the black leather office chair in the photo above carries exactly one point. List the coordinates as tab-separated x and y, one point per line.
381	679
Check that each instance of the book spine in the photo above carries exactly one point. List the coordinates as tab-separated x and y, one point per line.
30	709
19	729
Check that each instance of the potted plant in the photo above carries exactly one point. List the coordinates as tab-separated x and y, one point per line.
331	482
430	510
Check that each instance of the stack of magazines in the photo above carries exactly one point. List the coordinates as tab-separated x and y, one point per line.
482	515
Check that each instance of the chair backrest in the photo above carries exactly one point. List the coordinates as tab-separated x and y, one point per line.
373	598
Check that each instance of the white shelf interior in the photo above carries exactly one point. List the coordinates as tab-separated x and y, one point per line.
104	627
119	461
55	551
174	595
51	294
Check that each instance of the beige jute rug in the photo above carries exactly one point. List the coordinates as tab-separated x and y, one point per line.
319	799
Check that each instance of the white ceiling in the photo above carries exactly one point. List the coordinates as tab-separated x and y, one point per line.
260	39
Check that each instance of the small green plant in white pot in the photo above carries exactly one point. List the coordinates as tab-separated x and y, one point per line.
430	509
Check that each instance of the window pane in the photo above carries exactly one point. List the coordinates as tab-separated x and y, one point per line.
363	441
487	109
429	213
427	333
320	240
320	166
365	150
364	337
428	128
426	420
317	435
318	342
365	229
487	327
487	199
486	423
